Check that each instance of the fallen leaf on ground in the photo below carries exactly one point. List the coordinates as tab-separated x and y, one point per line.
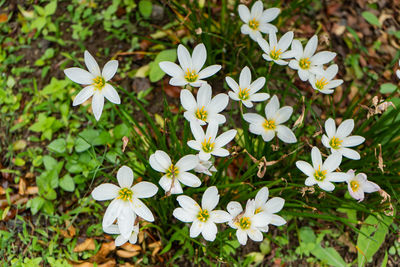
88	244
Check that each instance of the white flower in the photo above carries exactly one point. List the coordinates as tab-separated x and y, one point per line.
268	127
322	173
270	207
120	240
246	91
338	140
175	173
276	51
205	166
306	62
189	70
126	202
323	82
204	217
97	83
398	72
209	144
257	20
205	109
358	185
247	223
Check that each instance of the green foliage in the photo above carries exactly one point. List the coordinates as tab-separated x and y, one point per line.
156	73
145	8
371	18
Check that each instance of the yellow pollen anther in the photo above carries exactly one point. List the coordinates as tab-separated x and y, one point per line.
320	175
354	185
258	210
275	54
269	125
201	114
335	142
244	223
191	75
321	83
207	145
172	171
305	63
244	94
203	215
253	24
98	83
125	194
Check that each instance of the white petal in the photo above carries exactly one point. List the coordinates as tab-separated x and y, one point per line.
262	196
298	51
144	190
274	205
79	75
91	64
211	131
345	128
105	192
125	220
244	13
261	219
125	177
331	72
209	71
120	240
204	95
183	215
277	220
255	35
285	134
358	195
333	84
220	152
326	185
272	107
188	203
350	153
245	78
257	9
241	236
255	235
232	84
155	165
210	198
196	228
310	181
189	179
264	45
134	236
285	41
225	138
83	95
283	114
245	29
304	75
187	100
220	216
97	105
330	127
253	118
204	156
209	231
257	85
142	210
176	187
165	183
109	70
268	135
234	208
311	46
233	96
199	57
370	187
322	58
184	58
187	163
218	103
273	42
259	97
163	159
305	167
269	14
196	145
337	177
112	212
354	140
178	81
171	69
111	94
332	162
316	157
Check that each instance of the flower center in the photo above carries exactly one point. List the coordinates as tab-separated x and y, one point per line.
354	185
258	210
244	93
207	146
335	143
125	194
244	223
269	125
203	215
191	75
321	83
172	171
275	54
253	24
98	83
201	114
305	63
320	175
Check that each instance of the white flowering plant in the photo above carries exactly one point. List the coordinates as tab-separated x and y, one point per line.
231	131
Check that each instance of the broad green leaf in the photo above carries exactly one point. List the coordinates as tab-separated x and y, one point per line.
387	88
121	131
81	145
145	8
49	162
36	204
371	18
156	73
58	145
50	8
328	255
67	183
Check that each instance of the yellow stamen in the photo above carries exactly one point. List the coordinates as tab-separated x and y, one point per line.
98	83
321	83
275	54
320	175
244	223
207	145
305	63
269	125
335	143
125	194
354	185
172	171
258	210
244	93
201	114
203	215
191	75
253	24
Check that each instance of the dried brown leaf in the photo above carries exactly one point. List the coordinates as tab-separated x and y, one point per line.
88	244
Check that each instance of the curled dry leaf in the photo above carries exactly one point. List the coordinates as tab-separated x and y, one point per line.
22	187
127	254
131	247
88	244
300	120
125	141
32	190
105	249
2	191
